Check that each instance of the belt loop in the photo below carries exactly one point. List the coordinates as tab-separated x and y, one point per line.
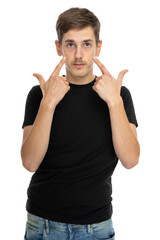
47	226
89	228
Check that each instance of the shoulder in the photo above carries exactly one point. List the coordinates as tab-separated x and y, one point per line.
35	92
36	89
125	93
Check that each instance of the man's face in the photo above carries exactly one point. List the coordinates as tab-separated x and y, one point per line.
79	47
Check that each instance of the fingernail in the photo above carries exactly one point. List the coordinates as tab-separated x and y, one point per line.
125	71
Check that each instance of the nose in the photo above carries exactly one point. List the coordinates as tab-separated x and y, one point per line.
78	53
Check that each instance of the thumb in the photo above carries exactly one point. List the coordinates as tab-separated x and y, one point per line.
40	78
121	76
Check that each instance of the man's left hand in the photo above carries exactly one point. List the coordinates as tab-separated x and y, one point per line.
106	86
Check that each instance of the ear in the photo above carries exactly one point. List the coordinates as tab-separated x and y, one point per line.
98	50
58	48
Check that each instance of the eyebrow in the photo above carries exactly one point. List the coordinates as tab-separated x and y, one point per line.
71	40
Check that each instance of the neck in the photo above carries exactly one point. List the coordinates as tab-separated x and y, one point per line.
78	79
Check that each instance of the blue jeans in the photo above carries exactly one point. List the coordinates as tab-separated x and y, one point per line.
38	228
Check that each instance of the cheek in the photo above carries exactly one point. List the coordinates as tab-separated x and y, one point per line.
91	54
68	62
94	52
64	52
67	52
69	56
90	57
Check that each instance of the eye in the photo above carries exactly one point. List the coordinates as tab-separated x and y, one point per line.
87	45
70	45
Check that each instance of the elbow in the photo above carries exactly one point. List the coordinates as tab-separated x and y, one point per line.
131	161
27	163
28	167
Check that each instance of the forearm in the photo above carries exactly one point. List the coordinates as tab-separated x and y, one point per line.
36	143
124	140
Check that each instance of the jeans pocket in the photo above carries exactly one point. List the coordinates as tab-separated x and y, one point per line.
33	232
103	231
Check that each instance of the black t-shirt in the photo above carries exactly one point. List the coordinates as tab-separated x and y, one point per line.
73	182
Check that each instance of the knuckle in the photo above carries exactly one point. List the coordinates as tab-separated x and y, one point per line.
100	81
66	83
64	78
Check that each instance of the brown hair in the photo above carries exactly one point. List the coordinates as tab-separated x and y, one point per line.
77	18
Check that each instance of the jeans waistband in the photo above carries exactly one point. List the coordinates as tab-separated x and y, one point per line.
33	219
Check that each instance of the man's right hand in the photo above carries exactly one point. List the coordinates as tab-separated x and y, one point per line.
55	88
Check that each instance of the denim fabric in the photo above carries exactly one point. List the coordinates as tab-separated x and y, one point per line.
38	228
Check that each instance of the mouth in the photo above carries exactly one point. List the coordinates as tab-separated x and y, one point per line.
79	65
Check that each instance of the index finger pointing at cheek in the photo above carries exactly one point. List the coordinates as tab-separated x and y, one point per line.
101	66
59	66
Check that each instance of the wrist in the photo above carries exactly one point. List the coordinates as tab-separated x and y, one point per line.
117	102
48	104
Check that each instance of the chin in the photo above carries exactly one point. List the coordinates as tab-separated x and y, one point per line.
79	73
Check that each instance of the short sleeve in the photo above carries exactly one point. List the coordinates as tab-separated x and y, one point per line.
32	105
128	105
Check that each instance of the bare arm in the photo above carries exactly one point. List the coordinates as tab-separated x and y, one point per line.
36	137
124	134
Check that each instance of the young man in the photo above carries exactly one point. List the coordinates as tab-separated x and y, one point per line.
76	127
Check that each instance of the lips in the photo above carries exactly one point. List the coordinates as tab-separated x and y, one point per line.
79	65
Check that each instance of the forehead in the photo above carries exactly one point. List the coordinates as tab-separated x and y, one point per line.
79	35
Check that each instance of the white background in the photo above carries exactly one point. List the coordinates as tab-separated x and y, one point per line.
130	34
